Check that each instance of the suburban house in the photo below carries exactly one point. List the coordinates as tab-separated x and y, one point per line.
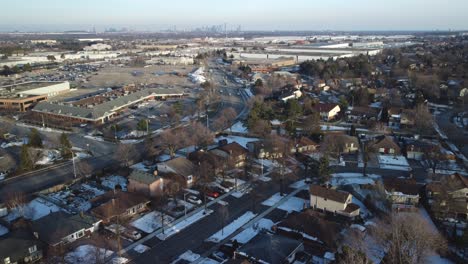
263	150
290	95
269	248
145	183
386	145
118	204
232	153
20	246
180	166
328	111
334	201
448	197
312	228
358	114
305	144
60	228
417	149
208	158
402	193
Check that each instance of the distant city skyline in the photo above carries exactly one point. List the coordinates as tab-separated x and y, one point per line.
153	15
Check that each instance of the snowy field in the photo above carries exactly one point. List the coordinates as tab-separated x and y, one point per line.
113	180
290	204
231	228
249	233
176	228
150	222
240	140
353	178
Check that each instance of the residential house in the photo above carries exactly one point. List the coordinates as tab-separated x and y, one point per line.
386	145
20	246
269	248
402	193
60	228
417	149
180	166
329	200
207	158
312	228
118	204
305	144
448	197
358	114
232	153
145	183
295	94
327	111
264	150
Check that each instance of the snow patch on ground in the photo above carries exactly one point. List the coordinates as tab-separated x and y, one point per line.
249	233
176	228
364	212
151	222
34	210
232	227
90	255
238	128
141	248
291	204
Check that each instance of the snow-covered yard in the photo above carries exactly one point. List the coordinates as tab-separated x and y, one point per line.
140	166
232	227
249	233
113	180
151	221
173	229
48	157
91	255
299	185
353	178
364	212
34	210
290	204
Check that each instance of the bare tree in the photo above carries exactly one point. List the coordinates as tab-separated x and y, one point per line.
423	120
279	149
408	238
230	115
311	124
199	135
125	153
173	139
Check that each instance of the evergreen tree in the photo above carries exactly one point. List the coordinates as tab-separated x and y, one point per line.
324	169
26	162
65	146
35	138
142	125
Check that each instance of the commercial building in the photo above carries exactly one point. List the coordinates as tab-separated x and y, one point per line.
103	111
22	97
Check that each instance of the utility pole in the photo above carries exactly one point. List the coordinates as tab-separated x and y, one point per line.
73	161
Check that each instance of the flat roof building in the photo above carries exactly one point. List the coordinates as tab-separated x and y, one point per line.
23	96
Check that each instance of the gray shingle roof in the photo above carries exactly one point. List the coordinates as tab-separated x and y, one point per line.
105	108
143	177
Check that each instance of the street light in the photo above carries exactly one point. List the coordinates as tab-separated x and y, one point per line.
73	161
185	205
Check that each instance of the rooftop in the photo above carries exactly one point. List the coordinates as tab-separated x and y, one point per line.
12	90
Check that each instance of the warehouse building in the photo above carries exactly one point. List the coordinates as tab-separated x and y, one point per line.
22	97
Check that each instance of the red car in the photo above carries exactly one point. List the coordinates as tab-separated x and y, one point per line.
212	194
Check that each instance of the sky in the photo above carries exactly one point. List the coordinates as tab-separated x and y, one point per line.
346	15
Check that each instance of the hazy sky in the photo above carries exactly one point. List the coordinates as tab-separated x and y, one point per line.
251	14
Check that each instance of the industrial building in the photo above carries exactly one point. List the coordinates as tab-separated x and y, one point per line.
22	97
101	111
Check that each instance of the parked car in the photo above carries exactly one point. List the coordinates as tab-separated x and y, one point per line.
132	234
213	194
83	125
193	199
131	116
